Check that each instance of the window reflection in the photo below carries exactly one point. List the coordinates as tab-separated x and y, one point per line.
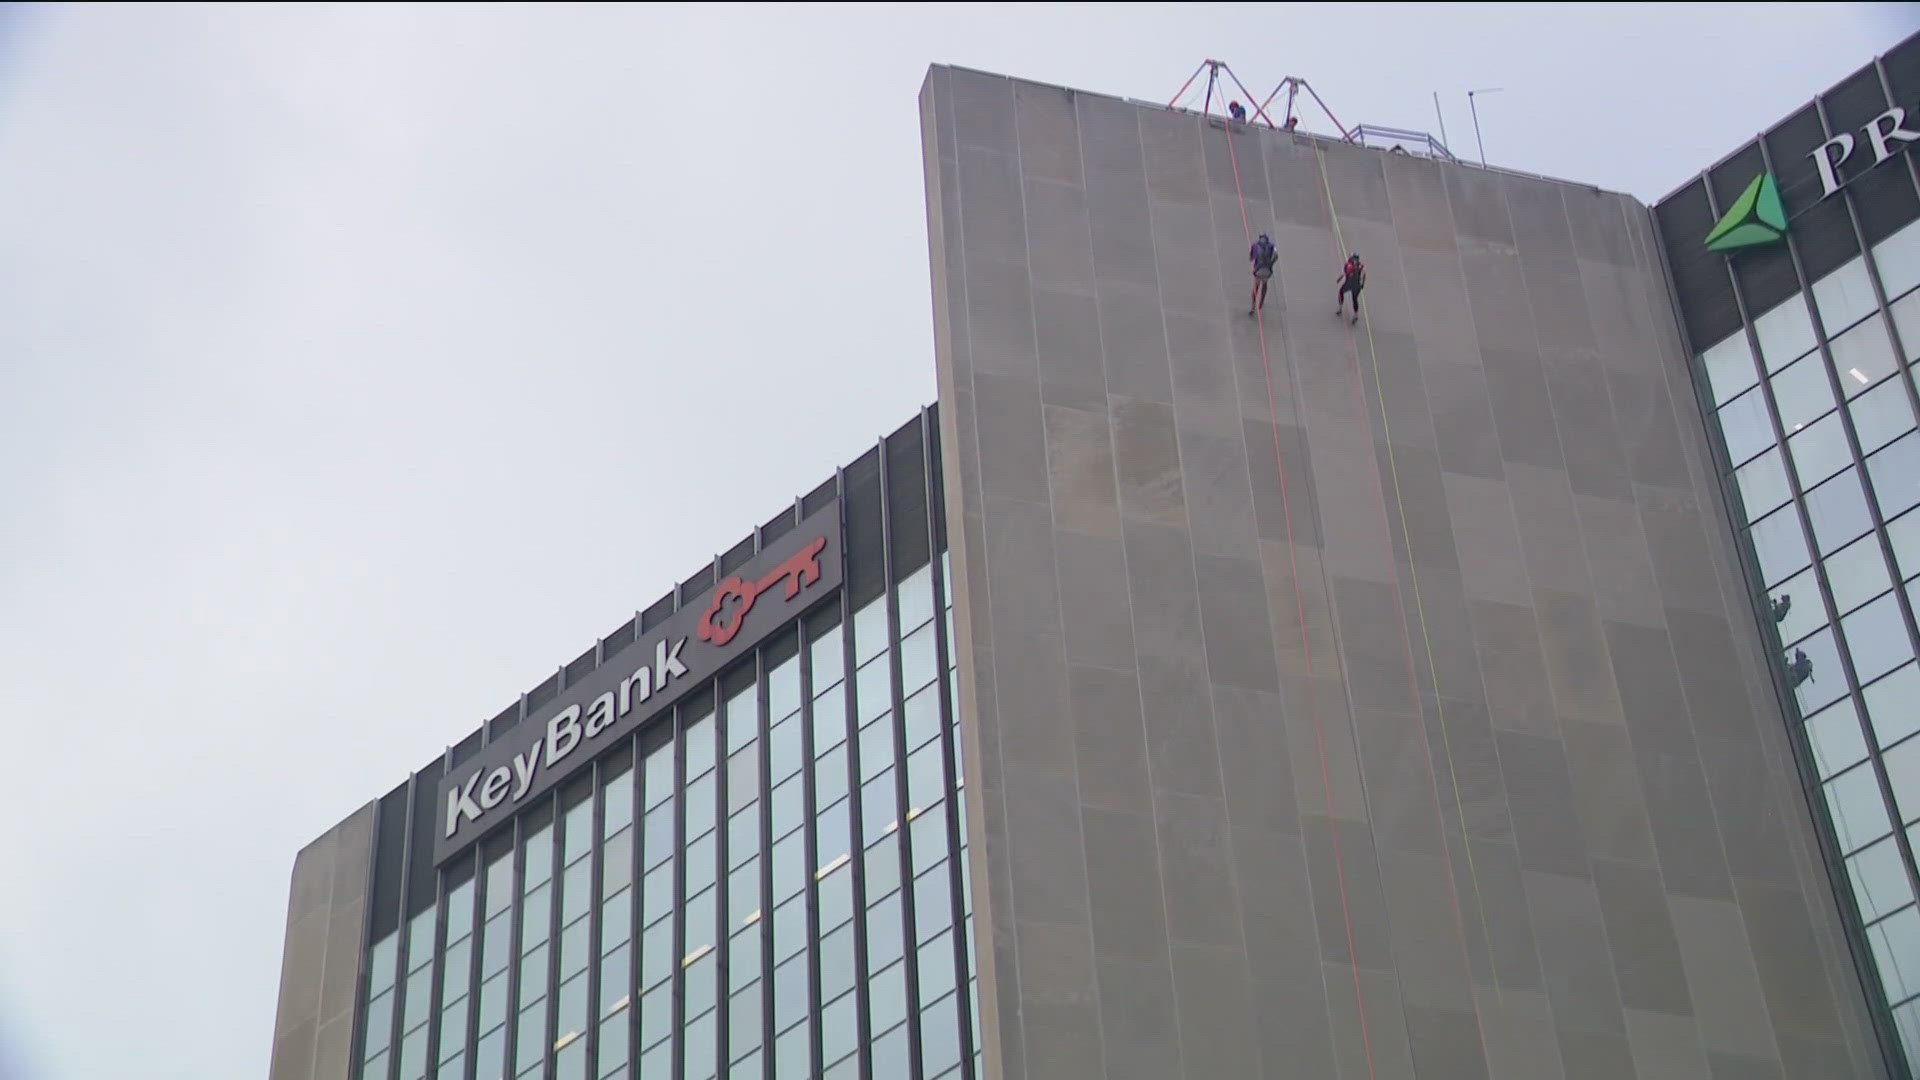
1862	356
1785	333
1837	509
1844	296
1819	450
1906	322
1890	705
1857	573
1834	735
1859	815
1802	393
1825	683
1902	763
1895	472
1879	879
1745	425
1730	368
1797	610
1881	415
1897	258
1780	545
1896	951
1877	637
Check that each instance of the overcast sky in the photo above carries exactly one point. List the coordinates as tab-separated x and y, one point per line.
360	366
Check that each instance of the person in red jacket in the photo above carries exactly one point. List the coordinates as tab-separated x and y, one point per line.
1353	278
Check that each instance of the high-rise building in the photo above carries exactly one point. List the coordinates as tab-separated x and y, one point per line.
1516	681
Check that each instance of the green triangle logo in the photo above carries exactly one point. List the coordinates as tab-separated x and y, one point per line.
1756	217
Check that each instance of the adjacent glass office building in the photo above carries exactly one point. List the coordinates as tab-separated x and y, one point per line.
768	879
1806	349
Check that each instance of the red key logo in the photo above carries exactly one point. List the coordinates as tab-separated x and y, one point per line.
718	626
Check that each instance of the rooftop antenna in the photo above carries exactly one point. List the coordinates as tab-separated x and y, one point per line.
1440	116
1476	118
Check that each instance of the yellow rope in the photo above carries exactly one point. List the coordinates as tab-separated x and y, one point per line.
1413	573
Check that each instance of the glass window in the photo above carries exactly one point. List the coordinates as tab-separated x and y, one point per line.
1895	471
926	781
383	963
1835	737
494	952
873	688
830	776
783	689
616	859
456	968
836	897
1838	511
877	807
573	947
743	835
616	919
914	596
577	831
1897	258
830	718
453	1027
789	802
529	1036
1780	545
932	902
743	717
533	974
929	840
876	747
657	1060
1877	637
923	717
836	963
1804	612
700	751
784	751
1890	707
789	866
379	1024
1746	425
940	1035
825	661
700	807
937	976
1859	814
1827	683
919	659
743	777
614	1045
1907	1018
886	932
743	1022
460	911
536	911
839	1028
656	952
1863	356
702	864
870	630
493	1002
1906	321
1819	450
1802	393
616	972
1903	776
1857	573
1844	296
1785	333
571	1061
1896	950
617	812
656	1023
887	1001
743	893
1881	415
571	1008
489	1057
1763	482
1879	879
790	991
1730	370
657	844
576	889
659	781
702	984
539	857
832	830
1905	534
499	884
882	863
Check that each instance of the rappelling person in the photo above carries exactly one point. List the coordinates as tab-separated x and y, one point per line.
1263	257
1799	669
1782	606
1353	278
1237	111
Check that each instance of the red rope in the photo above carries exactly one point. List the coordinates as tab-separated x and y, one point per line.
1300	608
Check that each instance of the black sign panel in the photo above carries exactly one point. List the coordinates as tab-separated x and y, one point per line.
640	682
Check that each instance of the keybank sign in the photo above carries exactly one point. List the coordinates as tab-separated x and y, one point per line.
1758	217
640	682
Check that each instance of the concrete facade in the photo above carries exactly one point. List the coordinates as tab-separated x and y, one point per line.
1458	760
321	962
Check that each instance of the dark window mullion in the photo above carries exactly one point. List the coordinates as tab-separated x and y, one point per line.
763	807
856	828
590	1029
949	752
898	720
810	846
